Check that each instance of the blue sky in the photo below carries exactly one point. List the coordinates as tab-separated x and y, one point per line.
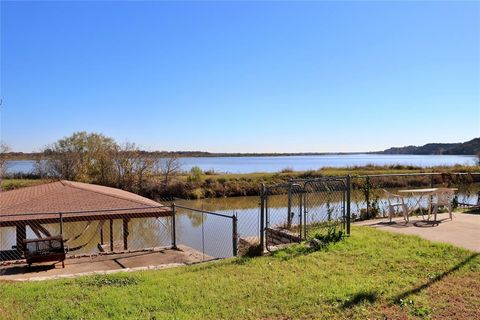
241	76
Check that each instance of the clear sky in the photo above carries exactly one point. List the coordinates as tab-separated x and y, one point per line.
241	76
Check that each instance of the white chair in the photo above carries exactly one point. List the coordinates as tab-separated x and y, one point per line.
395	201
442	198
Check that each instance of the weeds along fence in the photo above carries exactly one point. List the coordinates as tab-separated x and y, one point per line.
297	210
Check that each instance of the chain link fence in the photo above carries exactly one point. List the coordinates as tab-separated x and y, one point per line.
225	227
301	209
325	205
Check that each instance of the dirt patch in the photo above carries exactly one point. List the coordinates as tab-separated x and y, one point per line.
456	297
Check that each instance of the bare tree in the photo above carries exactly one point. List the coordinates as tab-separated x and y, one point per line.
132	167
168	168
4	148
41	168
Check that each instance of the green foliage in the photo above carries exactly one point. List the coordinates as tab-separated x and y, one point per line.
109	280
326	233
83	157
196	175
95	158
373	208
12	184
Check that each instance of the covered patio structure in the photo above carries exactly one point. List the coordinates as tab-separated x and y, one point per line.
39	211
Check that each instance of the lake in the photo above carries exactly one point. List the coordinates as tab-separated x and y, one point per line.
299	163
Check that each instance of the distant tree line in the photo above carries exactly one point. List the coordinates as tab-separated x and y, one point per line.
471	147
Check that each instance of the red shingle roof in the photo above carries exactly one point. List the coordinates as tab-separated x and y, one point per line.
68	196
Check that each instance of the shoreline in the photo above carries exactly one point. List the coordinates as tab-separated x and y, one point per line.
20	156
221	185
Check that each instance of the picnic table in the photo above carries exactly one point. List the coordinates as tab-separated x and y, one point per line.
420	194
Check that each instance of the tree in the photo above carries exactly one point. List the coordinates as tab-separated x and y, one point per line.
4	148
132	167
196	174
168	168
83	157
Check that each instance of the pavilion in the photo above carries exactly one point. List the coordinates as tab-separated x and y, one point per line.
67	201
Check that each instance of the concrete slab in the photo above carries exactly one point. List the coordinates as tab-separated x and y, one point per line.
463	231
103	264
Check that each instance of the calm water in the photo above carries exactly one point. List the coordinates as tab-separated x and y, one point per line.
275	164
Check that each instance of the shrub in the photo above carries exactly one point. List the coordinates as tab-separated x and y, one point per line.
196	174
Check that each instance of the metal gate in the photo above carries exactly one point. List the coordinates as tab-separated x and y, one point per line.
283	205
294	211
325	206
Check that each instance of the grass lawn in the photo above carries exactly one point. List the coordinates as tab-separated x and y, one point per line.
372	274
11	184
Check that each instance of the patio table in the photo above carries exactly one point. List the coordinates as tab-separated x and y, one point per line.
419	195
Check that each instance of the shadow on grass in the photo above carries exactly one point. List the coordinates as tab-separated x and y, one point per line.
371	296
359	298
434	280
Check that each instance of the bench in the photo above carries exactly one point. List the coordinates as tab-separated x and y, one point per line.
44	250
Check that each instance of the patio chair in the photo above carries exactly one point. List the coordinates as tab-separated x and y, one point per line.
442	198
394	202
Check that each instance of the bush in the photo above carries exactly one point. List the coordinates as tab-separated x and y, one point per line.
196	174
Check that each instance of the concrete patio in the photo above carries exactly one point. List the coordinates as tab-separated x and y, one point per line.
103	264
463	231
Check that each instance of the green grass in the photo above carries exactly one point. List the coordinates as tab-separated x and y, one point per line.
11	184
372	274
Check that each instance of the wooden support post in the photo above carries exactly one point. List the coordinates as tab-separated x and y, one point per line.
21	235
101	234
125	233
174	228
111	235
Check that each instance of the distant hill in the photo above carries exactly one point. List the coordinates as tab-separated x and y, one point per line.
471	147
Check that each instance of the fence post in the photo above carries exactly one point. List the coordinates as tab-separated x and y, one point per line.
174	232
234	235
289	205
61	224
262	218
305	211
349	187
300	214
